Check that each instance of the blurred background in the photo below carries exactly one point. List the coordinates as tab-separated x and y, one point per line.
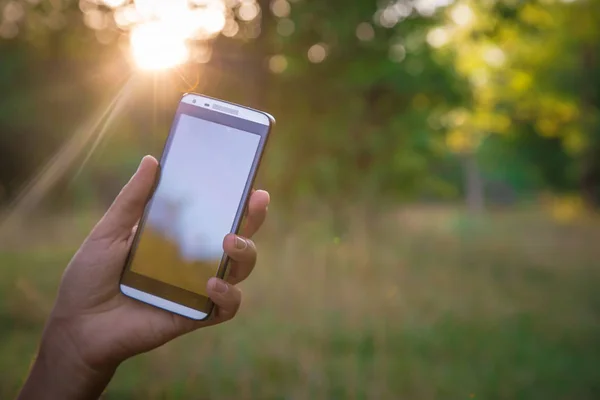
435	176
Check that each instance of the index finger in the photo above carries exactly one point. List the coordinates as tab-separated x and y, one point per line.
257	212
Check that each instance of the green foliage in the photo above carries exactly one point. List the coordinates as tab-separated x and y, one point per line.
356	124
531	71
372	100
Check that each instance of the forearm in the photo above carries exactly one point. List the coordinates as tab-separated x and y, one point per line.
57	373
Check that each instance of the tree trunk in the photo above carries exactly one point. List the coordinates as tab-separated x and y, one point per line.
474	189
261	50
590	168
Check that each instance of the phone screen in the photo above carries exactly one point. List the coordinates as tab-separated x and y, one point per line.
205	172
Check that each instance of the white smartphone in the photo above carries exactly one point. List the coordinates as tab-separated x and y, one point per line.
207	170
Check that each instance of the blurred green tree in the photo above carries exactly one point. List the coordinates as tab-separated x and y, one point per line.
356	89
374	100
533	79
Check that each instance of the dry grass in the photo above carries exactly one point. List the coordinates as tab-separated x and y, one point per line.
417	304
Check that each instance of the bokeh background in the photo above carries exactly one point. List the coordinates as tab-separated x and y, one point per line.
435	176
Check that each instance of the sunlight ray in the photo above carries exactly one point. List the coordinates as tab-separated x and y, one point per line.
35	190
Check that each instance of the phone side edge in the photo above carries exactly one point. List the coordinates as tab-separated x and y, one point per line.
225	267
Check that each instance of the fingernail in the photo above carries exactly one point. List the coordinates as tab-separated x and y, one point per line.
219	286
240	243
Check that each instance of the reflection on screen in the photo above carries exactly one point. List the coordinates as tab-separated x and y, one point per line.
195	203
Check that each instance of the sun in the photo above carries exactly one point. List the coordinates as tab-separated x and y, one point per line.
163	28
165	33
154	46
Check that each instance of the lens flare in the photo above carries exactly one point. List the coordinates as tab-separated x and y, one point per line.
167	33
162	29
154	46
92	132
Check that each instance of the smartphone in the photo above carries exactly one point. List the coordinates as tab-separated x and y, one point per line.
207	170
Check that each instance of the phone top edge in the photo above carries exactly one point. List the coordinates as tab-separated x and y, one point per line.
164	304
272	118
228	108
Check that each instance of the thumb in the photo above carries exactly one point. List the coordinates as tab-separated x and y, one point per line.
129	205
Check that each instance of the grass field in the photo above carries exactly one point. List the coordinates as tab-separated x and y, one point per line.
419	304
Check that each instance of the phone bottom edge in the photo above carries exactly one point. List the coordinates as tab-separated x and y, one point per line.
164	304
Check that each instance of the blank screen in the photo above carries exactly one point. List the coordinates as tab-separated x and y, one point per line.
195	203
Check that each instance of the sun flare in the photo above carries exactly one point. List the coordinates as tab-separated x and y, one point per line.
164	33
160	40
154	47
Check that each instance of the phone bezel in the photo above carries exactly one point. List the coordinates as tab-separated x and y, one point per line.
163	295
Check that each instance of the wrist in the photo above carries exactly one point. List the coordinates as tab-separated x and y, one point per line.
60	372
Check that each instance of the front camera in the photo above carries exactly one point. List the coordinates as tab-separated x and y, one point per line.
194	101
206	105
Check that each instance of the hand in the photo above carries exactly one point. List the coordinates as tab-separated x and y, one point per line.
93	327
